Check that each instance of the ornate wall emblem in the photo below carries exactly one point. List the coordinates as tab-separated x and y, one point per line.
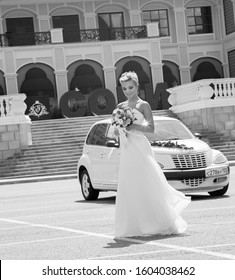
38	109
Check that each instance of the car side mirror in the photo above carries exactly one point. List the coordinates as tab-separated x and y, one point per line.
112	144
198	135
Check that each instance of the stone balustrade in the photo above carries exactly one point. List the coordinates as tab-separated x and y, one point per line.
15	133
206	104
202	90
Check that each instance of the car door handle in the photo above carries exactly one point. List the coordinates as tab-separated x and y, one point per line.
88	153
102	154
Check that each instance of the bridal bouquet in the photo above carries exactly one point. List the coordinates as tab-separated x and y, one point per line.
122	117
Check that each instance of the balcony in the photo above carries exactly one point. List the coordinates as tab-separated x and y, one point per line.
88	35
26	39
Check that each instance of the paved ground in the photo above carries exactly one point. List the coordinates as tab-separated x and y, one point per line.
51	221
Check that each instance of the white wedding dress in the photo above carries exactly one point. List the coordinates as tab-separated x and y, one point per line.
145	202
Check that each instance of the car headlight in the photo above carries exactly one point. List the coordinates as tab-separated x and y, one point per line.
220	158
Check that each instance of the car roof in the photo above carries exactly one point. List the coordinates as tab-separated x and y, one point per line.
156	118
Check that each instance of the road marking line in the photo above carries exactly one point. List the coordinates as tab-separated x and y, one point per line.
156	252
133	254
112	208
42	240
133	240
107	219
210	209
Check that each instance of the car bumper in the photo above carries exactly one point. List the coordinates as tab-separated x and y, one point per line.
208	179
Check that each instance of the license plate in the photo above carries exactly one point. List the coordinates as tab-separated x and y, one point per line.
216	172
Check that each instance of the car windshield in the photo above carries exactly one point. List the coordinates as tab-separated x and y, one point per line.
166	130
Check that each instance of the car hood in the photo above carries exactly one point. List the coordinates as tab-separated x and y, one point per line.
180	146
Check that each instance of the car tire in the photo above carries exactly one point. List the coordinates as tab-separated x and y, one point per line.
88	192
219	192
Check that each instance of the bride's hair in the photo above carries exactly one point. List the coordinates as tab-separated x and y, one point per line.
127	76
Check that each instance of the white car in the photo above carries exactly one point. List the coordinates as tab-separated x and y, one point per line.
188	163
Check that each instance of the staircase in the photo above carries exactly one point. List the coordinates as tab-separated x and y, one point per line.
57	146
219	142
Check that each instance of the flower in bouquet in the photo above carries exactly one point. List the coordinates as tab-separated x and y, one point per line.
122	117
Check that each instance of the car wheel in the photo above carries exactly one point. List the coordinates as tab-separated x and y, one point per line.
88	192
219	192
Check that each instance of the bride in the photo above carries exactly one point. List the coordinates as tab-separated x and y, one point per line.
145	202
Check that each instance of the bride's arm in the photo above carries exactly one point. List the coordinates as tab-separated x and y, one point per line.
148	125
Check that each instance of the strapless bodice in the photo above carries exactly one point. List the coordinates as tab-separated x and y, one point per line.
139	116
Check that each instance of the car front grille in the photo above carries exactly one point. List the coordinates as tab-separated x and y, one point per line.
195	182
190	160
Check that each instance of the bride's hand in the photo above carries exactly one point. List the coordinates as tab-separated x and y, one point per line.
130	127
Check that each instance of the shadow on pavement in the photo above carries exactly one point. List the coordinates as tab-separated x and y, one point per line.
126	242
103	200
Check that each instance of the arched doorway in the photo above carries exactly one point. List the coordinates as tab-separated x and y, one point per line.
36	83
206	68
85	78
171	73
138	69
40	91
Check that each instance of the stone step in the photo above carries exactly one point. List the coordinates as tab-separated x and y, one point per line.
38	170
66	173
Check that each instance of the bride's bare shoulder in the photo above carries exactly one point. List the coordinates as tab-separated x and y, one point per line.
144	105
121	104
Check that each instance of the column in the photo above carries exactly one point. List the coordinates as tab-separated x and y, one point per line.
226	69
1	27
185	74
110	80
60	72
182	38
11	83
184	63
44	23
218	22
157	74
43	18
10	72
109	69
156	62
89	14
135	17
61	83
180	21
90	20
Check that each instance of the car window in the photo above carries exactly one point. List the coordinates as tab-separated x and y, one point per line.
111	135
90	135
98	136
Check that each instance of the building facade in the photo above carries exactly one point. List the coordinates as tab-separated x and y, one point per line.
50	47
